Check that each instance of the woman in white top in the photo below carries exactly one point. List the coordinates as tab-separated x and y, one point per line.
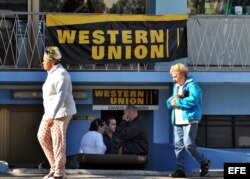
59	106
92	141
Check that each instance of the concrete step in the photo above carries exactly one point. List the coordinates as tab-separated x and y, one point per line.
21	171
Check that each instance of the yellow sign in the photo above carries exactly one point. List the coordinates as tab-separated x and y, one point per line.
117	38
118	99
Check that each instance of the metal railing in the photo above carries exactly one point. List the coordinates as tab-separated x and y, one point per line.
219	43
214	43
22	43
22	40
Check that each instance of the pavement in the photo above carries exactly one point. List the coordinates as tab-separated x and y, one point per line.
24	173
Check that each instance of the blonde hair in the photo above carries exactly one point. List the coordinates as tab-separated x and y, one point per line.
53	53
179	67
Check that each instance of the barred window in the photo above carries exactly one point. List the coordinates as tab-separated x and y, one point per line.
224	131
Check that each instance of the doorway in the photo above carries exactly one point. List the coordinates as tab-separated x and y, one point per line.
23	147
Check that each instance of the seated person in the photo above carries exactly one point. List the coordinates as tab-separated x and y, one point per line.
110	136
132	133
92	141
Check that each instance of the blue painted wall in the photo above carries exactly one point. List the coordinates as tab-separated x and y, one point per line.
161	120
219	157
6	98
226	99
9	77
171	7
166	158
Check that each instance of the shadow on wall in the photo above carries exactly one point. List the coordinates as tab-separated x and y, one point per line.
162	158
220	156
75	131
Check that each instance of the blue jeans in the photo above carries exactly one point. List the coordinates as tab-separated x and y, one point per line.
185	140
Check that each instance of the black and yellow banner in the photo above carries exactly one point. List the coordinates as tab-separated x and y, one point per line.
118	99
110	38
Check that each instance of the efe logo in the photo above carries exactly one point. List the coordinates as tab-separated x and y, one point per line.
237	170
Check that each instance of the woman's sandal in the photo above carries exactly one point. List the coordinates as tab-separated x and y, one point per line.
49	175
54	177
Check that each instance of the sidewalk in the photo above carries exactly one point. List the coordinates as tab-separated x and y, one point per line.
24	173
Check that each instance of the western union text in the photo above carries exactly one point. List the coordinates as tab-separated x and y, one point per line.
121	44
122	97
120	93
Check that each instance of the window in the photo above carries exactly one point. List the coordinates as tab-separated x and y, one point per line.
219	7
13	5
224	132
94	6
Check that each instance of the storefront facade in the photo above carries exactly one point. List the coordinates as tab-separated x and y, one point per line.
21	104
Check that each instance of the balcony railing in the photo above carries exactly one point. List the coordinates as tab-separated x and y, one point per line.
215	43
21	40
219	43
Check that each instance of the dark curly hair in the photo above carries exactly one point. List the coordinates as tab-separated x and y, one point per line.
95	123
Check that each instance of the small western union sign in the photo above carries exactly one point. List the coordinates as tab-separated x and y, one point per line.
118	99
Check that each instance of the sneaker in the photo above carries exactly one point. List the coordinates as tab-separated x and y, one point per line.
205	168
178	174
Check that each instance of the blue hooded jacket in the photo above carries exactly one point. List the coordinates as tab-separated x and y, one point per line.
191	103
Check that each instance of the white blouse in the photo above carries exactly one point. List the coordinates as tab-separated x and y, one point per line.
57	94
92	143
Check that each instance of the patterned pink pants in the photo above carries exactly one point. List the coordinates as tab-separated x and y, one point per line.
53	142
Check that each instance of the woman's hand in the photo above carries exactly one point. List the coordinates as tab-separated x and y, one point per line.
50	121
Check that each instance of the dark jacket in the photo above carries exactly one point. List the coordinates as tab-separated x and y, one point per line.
112	144
133	136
